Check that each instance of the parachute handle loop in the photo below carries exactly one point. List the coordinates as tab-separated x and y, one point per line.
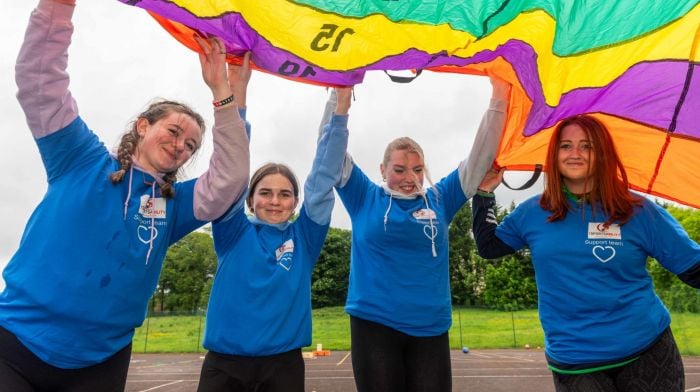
403	79
535	176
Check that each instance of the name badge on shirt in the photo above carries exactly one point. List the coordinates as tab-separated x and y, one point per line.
597	230
284	254
152	207
425	213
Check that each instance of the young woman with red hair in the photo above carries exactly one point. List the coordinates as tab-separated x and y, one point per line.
605	327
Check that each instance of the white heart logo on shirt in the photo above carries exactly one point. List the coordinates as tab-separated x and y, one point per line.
148	233
603	254
430	231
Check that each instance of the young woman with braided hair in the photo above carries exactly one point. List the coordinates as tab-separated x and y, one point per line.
91	253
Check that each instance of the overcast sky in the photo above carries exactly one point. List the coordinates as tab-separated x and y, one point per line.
121	59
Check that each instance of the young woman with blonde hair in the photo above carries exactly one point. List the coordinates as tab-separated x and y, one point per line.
399	293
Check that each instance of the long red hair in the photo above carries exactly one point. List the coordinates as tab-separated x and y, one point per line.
608	179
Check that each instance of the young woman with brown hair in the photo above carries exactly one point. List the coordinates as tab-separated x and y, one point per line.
259	313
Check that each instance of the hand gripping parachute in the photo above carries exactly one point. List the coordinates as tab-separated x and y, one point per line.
631	63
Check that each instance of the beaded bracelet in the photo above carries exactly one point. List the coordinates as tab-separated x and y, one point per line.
223	102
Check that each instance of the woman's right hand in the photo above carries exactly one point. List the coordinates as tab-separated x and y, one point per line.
238	78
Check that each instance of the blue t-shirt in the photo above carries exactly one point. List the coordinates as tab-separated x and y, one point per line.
596	299
260	303
80	282
394	278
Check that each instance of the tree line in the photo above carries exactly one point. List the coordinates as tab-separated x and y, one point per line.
504	284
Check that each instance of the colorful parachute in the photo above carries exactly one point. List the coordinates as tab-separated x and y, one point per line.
631	63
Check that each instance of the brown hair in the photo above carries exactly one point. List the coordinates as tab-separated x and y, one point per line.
129	140
608	179
408	145
266	170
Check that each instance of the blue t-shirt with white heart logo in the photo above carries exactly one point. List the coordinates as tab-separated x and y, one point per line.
91	253
399	262
596	299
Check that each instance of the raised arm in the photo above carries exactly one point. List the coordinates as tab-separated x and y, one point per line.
328	163
325	119
229	166
40	72
483	152
238	79
484	221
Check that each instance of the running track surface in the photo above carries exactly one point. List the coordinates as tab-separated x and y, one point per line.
477	371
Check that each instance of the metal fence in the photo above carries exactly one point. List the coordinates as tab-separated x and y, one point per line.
471	328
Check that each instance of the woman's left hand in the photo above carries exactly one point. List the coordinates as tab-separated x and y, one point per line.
492	179
343	96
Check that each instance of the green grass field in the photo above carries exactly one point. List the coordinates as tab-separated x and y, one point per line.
480	329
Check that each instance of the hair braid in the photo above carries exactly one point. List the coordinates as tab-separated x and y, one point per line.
126	149
166	188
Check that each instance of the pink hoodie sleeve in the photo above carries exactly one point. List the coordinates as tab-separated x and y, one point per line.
40	72
229	166
42	80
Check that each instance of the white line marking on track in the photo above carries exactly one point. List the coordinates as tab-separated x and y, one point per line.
507	376
162	364
480	355
343	360
544	369
330	378
161	386
516	358
142	374
693	389
493	356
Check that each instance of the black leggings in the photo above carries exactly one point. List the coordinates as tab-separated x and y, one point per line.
22	371
660	368
386	360
234	373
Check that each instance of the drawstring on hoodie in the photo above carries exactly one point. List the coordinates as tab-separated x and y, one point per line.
153	221
433	229
153	224
386	214
128	194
